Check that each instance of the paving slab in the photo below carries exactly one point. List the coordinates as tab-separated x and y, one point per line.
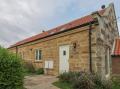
40	82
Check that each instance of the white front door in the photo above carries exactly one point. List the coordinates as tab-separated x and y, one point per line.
64	59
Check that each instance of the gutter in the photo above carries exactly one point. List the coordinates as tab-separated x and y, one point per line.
16	50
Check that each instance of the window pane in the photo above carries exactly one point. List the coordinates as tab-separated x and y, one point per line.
38	54
64	52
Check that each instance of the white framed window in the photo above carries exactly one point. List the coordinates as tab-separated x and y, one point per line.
38	54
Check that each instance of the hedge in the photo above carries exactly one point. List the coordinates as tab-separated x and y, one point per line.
11	70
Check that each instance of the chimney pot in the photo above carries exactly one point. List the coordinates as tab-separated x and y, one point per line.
43	31
103	7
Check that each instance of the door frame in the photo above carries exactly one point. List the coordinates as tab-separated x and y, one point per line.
66	45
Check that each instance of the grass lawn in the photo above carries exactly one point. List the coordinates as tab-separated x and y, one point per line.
116	87
63	85
116	82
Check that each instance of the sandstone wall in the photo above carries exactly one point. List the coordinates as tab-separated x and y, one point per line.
105	37
79	56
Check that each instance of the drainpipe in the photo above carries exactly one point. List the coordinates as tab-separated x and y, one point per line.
90	49
16	50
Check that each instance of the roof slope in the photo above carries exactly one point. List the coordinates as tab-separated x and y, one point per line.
58	29
116	49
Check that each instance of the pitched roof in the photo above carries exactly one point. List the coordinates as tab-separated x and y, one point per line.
58	29
116	49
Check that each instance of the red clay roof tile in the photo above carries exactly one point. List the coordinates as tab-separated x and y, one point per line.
116	50
67	26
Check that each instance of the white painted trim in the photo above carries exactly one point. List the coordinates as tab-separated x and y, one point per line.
64	64
113	47
37	54
108	61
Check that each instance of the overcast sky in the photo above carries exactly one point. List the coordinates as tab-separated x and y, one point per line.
23	18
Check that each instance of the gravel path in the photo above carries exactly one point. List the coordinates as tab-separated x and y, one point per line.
40	82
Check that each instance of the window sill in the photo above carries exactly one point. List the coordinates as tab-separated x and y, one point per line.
38	61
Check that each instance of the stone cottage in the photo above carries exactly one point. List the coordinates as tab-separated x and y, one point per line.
84	44
116	58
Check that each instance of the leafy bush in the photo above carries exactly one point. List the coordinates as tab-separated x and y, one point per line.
69	76
11	70
40	71
66	77
101	83
91	81
29	68
83	80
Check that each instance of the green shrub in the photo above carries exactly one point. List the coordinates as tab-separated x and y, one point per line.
11	71
29	68
84	80
66	77
69	76
101	83
91	81
40	71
